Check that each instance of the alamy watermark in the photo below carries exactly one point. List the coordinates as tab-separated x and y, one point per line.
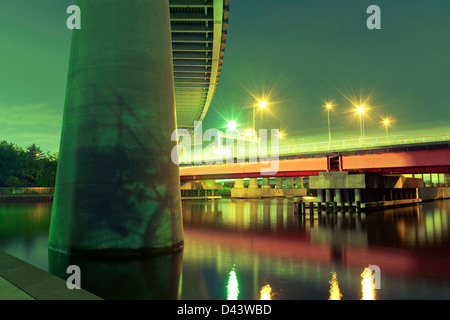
74	20
376	275
74	280
373	22
232	146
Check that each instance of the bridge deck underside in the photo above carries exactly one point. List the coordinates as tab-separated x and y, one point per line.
199	29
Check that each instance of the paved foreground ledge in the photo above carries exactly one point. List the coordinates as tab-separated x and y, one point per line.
22	281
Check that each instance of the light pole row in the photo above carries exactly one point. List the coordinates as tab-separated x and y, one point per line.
262	105
360	110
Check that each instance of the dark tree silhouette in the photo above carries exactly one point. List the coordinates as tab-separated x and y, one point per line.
26	168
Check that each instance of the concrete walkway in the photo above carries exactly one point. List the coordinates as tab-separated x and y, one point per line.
22	281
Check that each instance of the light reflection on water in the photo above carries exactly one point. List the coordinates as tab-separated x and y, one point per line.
261	242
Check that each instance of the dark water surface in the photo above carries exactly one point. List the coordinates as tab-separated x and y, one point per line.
235	247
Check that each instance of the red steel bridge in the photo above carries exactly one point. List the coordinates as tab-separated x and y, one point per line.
416	158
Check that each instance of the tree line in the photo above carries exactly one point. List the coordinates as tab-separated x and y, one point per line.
26	168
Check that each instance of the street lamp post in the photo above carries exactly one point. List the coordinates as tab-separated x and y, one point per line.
386	123
262	105
363	126
254	120
329	125
360	110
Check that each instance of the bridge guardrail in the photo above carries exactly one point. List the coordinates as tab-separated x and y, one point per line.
364	143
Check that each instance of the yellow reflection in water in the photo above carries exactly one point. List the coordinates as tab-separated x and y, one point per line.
367	285
233	286
266	293
335	293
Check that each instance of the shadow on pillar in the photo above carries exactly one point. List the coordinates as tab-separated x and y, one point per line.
145	278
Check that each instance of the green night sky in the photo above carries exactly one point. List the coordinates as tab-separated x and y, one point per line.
299	52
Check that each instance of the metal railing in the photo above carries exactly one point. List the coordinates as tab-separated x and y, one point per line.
364	143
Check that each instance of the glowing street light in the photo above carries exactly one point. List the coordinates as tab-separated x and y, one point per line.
386	123
263	104
232	125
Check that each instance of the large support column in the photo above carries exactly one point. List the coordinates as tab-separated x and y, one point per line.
117	189
299	183
337	196
320	195
358	195
345	196
239	184
253	183
329	198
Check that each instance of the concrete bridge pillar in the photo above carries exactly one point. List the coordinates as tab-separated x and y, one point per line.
320	195
345	195
117	189
338	196
329	198
358	195
253	183
239	184
299	182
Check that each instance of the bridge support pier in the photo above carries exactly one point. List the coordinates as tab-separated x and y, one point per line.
299	182
117	189
337	196
358	195
369	190
253	183
239	183
320	195
328	195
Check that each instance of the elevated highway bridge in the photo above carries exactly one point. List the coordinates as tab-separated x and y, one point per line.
376	177
418	158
